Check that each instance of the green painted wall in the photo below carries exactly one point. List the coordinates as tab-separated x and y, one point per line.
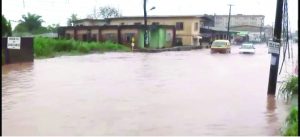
157	38
162	37
141	39
154	39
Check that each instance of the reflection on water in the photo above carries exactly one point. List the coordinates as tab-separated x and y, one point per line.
271	115
169	93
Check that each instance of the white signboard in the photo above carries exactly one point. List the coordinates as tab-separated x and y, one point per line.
13	42
273	47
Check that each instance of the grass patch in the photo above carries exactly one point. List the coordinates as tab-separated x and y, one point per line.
291	125
48	47
289	88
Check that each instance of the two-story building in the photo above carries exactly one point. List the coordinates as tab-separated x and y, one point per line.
248	27
187	27
161	36
90	22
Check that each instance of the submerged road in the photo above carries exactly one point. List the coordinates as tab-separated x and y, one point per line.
168	93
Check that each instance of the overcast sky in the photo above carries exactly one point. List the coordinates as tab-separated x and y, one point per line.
57	11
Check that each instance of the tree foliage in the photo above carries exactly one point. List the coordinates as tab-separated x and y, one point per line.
31	23
52	28
72	19
6	27
104	13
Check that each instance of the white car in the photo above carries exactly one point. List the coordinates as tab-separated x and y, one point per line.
247	48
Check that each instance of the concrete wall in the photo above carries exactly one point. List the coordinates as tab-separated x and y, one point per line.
110	34
89	23
24	54
160	36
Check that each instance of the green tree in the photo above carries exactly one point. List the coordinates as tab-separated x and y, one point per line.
104	13
108	12
72	19
52	27
31	23
6	27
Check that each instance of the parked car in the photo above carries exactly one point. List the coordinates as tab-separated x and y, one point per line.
247	48
222	46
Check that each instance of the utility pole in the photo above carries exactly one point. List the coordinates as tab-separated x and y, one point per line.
274	56
228	35
261	28
146	39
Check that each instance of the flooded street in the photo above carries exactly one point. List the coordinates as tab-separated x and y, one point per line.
167	93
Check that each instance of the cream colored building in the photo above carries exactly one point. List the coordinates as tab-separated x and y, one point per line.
187	27
89	22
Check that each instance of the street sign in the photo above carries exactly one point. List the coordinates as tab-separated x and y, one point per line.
13	42
273	47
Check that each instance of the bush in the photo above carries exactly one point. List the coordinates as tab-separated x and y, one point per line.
291	128
48	47
42	47
289	87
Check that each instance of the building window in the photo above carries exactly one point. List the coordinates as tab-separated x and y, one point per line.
128	37
179	41
122	23
68	36
179	25
94	37
137	23
84	37
111	37
155	23
196	26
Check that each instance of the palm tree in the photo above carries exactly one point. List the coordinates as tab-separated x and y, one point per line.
31	22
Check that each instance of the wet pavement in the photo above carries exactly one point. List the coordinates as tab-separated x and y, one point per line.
168	93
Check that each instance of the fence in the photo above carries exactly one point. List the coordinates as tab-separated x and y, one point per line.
22	52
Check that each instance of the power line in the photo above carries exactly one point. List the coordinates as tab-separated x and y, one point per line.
285	33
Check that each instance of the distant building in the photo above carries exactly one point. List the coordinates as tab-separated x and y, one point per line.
268	31
90	22
210	32
187	27
192	29
160	35
239	20
49	35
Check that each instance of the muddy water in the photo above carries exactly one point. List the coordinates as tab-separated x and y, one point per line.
169	93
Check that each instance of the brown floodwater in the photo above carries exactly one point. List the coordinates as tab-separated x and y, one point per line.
167	93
